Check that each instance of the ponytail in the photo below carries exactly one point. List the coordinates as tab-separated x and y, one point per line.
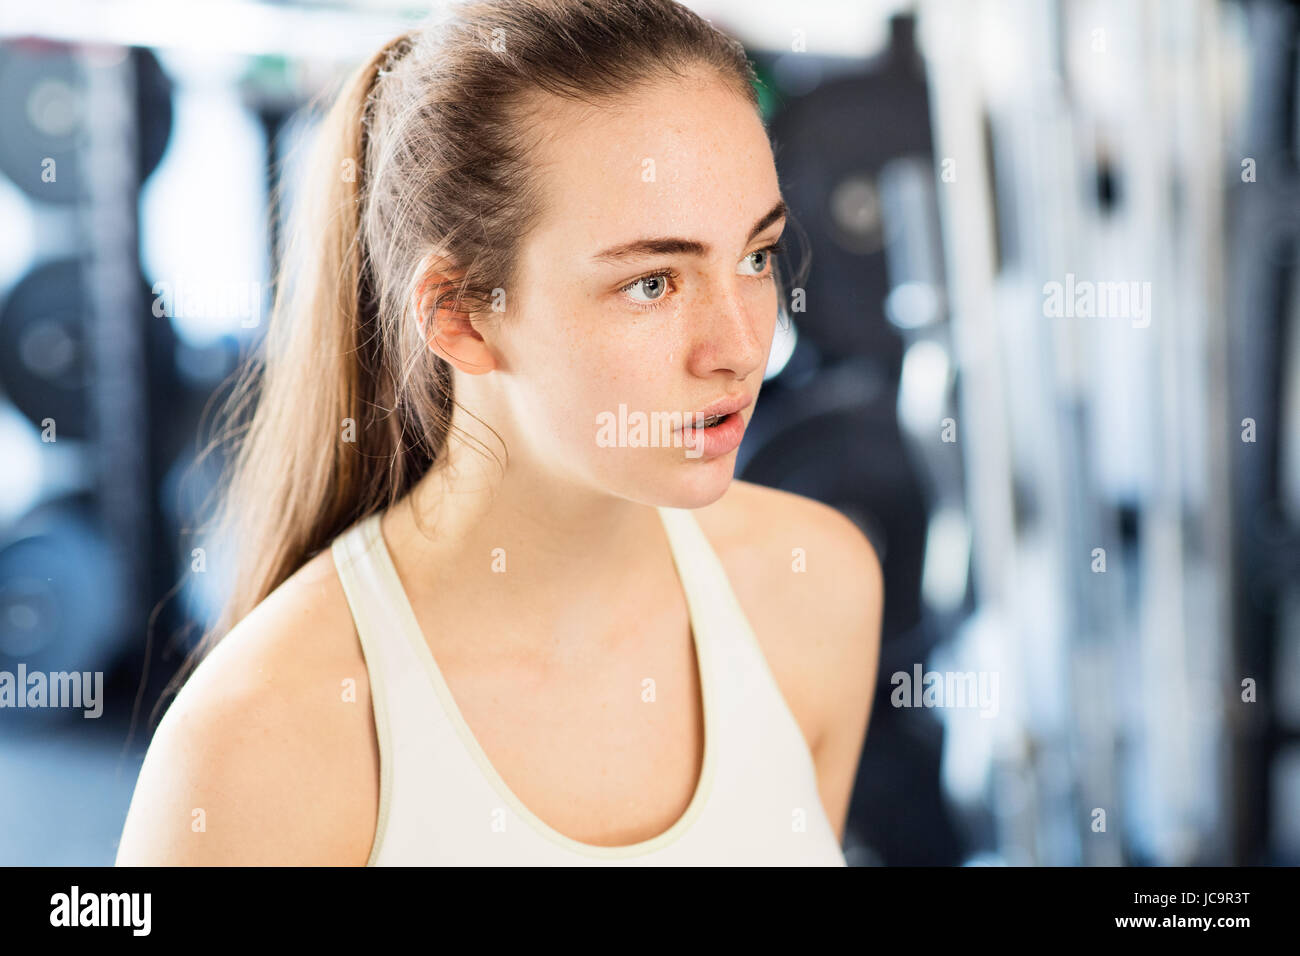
306	409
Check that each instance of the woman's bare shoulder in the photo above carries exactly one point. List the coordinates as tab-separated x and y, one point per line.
762	528
810	583
268	755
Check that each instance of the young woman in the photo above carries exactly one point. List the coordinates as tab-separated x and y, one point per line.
480	616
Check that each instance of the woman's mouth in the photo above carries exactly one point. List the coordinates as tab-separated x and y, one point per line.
714	436
712	421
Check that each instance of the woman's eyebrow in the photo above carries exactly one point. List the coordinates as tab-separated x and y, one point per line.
665	246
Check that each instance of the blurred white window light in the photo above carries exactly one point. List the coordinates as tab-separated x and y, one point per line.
925	384
203	212
18	238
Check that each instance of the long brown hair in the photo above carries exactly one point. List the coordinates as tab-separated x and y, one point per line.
426	147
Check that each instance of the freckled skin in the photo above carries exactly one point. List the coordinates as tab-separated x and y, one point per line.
571	345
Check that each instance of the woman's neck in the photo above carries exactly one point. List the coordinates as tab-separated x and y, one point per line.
527	546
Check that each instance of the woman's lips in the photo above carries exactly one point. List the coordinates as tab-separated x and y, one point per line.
720	439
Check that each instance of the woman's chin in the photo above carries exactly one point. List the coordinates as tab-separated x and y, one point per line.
699	482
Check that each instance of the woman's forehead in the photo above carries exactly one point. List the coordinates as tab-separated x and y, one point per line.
657	165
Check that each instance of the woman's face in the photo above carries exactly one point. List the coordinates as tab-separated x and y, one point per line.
601	333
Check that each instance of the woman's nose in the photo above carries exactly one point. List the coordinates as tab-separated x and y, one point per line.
731	335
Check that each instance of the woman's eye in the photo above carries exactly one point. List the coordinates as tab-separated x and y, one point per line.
765	254
656	286
762	262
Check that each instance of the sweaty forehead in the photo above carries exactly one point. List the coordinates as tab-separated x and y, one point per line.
686	155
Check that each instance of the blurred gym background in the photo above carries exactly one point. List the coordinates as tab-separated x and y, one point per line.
1046	356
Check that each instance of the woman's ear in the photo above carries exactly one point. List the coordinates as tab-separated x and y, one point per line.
447	330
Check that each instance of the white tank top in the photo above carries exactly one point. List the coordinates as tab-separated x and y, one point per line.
441	802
